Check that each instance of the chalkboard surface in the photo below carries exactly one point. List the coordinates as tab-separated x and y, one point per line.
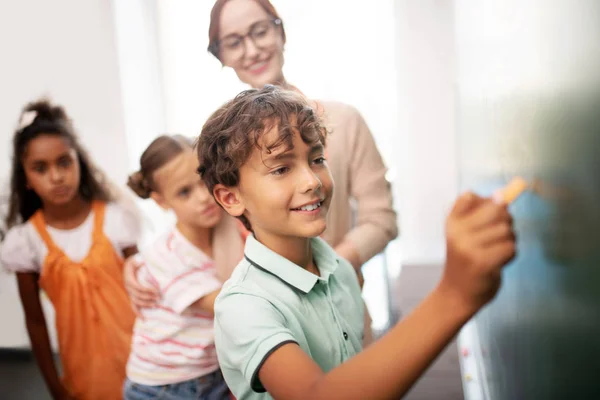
529	105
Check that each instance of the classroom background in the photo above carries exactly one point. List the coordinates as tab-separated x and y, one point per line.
459	94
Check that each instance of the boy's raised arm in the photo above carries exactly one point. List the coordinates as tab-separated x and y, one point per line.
479	242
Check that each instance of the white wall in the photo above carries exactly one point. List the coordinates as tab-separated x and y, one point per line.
139	62
65	49
141	83
426	184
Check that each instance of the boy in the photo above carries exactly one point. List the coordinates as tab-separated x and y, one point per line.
288	323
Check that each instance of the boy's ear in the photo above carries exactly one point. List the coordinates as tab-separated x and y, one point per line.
229	199
160	200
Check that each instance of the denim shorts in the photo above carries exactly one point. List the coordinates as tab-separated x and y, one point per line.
207	387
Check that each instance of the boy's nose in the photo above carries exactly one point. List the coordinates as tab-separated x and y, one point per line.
310	181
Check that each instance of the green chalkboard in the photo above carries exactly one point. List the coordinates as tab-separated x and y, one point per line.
540	338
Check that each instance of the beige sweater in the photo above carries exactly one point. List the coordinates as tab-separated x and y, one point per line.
361	191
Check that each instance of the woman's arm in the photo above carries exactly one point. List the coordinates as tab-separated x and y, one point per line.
376	222
29	291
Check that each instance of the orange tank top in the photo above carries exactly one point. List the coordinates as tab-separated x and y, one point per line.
94	319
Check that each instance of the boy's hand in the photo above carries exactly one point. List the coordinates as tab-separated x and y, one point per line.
480	241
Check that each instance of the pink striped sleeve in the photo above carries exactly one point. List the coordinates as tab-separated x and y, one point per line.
184	289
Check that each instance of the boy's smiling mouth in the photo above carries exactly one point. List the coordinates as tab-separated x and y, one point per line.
311	207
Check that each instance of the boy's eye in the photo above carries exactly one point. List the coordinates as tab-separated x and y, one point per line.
320	160
280	171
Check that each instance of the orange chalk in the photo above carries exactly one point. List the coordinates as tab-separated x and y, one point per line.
511	191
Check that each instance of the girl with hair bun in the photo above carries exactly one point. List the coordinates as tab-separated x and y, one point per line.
173	353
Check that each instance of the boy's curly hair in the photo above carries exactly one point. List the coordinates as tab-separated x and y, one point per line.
233	131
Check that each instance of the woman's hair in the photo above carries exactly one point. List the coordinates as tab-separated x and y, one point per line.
215	23
41	117
162	150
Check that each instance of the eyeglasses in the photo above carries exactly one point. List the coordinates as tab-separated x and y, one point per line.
262	34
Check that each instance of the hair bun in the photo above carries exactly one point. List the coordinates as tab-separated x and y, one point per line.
137	183
46	110
43	111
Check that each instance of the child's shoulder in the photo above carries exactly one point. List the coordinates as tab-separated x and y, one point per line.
122	223
247	282
19	235
162	243
344	271
241	281
249	299
18	248
163	257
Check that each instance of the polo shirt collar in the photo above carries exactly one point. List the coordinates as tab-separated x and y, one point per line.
266	259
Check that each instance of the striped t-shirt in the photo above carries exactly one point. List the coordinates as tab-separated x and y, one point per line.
172	342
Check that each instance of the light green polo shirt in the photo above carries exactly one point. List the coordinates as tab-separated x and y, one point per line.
270	301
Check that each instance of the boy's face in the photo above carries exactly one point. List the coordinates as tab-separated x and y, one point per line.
284	194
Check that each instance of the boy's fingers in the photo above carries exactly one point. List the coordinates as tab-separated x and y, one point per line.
487	213
494	234
500	254
465	203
